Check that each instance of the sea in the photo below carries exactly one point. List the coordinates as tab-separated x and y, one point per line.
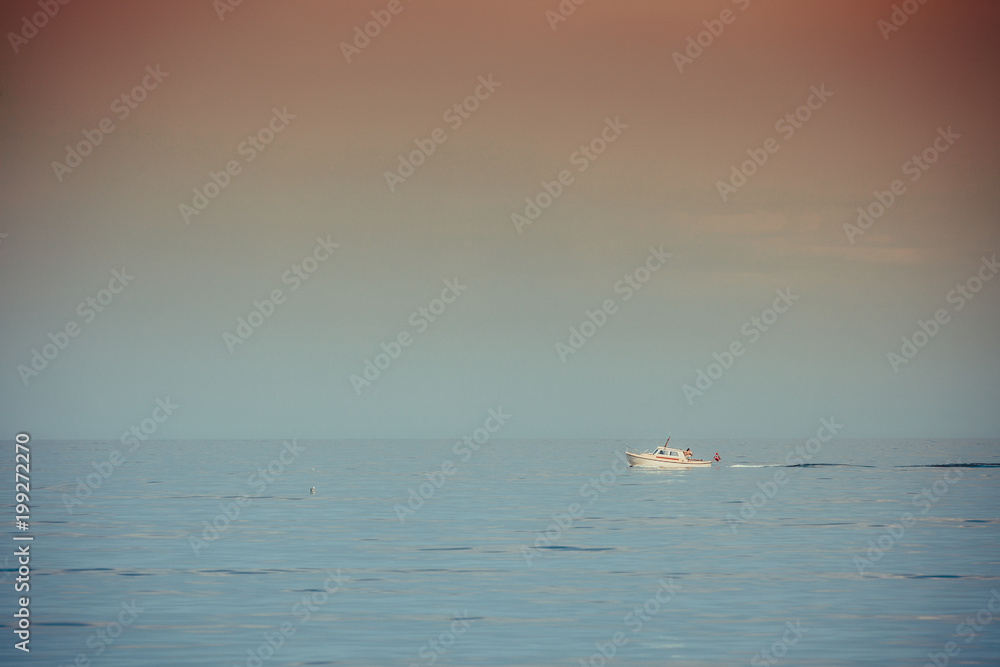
510	552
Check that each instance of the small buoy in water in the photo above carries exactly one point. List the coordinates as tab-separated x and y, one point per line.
312	490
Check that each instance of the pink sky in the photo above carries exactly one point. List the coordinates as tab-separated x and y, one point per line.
656	184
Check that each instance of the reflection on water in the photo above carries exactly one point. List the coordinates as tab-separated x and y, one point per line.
219	571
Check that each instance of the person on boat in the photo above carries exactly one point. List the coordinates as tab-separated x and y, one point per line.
687	452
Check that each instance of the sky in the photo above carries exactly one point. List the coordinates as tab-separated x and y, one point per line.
675	170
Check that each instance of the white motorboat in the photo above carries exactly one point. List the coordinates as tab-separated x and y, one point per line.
665	457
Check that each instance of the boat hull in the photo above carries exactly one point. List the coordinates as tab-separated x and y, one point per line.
654	461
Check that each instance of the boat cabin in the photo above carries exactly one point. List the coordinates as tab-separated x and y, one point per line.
669	454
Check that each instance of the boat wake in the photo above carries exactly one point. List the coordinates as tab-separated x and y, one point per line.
826	465
796	465
858	465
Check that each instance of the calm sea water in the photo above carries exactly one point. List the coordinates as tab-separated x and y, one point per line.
523	553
